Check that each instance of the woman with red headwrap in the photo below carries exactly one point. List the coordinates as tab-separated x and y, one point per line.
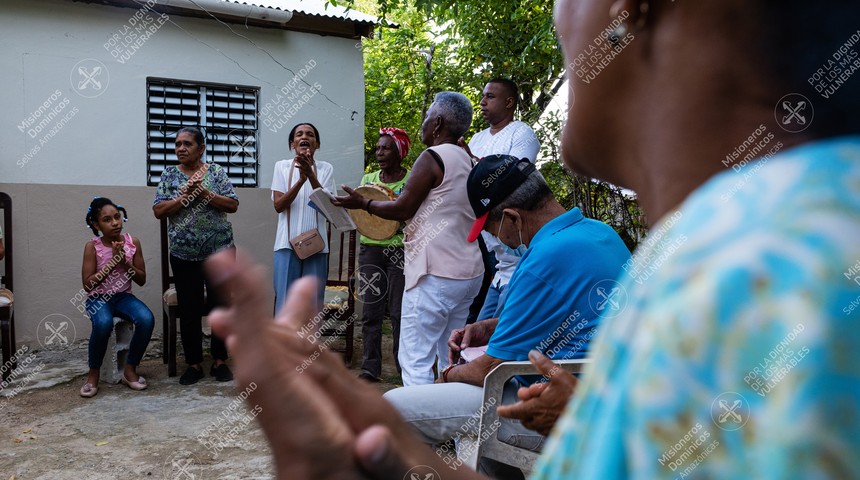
385	256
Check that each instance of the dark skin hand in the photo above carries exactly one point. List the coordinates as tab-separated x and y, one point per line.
541	404
426	175
305	144
461	142
189	153
474	372
475	335
325	436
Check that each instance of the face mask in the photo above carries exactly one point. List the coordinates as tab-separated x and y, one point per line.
515	252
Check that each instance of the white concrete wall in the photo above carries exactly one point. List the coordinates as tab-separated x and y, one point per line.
102	145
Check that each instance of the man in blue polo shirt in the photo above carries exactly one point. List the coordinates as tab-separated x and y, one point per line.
564	281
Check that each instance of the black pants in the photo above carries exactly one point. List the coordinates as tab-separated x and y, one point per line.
388	262
190	279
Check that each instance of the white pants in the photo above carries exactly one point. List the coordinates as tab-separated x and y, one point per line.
431	310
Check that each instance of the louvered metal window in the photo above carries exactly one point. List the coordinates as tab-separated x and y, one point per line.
227	115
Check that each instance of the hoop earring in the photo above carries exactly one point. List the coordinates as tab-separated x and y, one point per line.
644	8
614	37
617	34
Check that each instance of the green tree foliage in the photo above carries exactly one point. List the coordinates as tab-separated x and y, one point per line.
403	69
599	200
447	45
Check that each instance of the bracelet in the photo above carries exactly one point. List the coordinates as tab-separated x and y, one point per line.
367	206
445	373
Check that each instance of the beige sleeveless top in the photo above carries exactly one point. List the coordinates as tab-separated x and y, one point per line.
435	238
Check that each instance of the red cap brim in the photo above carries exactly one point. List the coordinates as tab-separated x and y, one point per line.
477	227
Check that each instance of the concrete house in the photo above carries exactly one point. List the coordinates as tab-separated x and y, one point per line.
93	92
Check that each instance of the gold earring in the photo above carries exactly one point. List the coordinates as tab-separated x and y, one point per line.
644	8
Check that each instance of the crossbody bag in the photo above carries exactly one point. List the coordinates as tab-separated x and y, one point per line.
308	243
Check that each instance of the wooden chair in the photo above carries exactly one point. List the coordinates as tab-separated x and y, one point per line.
7	310
344	327
493	448
169	307
346	246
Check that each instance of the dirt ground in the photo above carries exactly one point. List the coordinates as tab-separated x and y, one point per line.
168	431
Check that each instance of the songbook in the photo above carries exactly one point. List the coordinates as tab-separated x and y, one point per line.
469	354
320	200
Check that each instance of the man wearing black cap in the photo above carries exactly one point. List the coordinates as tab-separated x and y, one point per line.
552	303
505	136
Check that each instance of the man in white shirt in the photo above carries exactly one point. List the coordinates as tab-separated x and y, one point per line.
505	136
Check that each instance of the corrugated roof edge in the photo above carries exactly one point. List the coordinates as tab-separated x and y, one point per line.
337	12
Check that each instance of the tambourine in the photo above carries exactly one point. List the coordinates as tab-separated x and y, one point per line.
369	225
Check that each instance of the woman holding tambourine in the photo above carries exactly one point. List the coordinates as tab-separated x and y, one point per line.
381	256
301	244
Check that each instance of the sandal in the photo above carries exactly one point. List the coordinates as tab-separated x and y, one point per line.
140	384
89	391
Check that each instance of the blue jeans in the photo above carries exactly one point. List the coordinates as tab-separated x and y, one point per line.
288	269
126	306
493	302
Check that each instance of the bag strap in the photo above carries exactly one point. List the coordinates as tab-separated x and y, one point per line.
289	185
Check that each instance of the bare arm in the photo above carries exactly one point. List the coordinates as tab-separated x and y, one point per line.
426	175
221	202
137	269
168	208
475	371
283	200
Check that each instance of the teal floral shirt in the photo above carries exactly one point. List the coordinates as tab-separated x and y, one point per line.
198	229
736	349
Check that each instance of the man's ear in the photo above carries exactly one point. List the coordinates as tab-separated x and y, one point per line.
511	102
514	217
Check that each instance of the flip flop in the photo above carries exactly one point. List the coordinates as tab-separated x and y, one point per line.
89	391
140	384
